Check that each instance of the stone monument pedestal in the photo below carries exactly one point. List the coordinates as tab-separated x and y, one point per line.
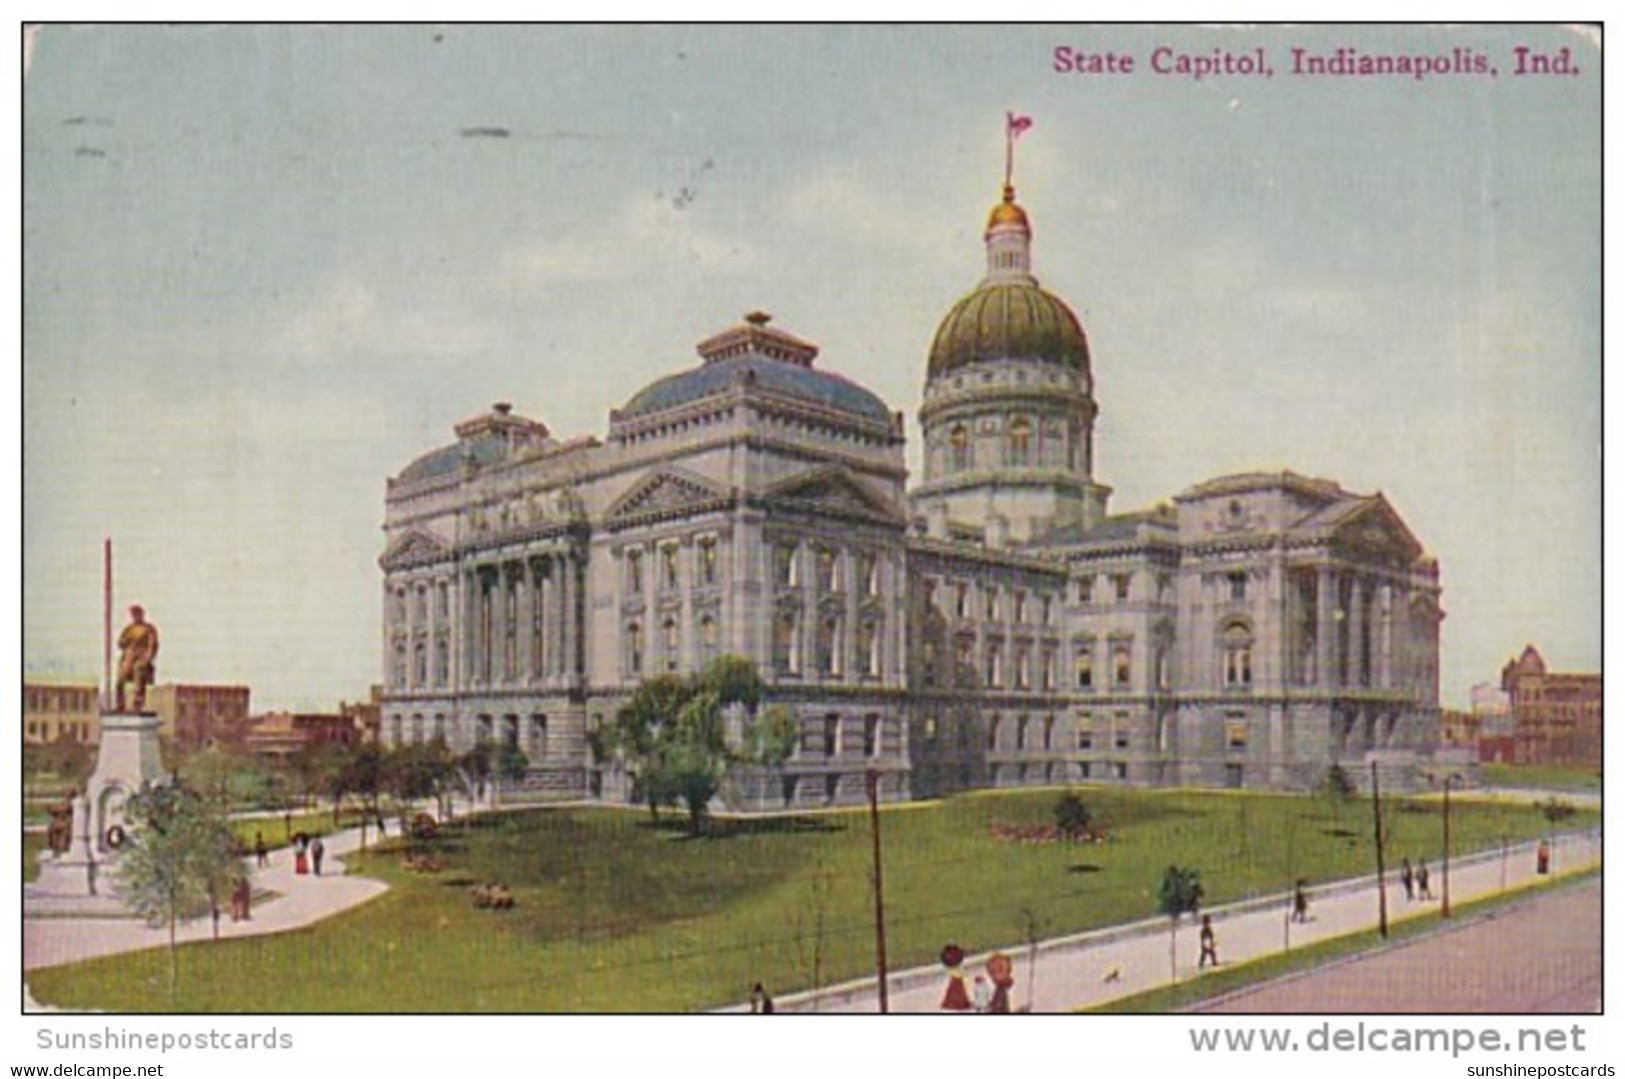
80	880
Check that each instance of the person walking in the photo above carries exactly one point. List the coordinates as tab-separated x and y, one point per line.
316	852
262	853
1543	858
1210	946
1407	877
1422	887
981	995
1300	901
760	1002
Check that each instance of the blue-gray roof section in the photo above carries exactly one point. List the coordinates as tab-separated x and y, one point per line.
792	380
483	449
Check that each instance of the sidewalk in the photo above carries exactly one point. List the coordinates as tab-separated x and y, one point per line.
296	902
1105	965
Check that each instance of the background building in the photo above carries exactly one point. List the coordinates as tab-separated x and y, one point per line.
1493	710
65	711
1557	718
281	734
994	626
196	716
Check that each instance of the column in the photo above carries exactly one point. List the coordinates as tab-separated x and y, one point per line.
1326	628
687	637
572	641
1356	639
1385	635
555	635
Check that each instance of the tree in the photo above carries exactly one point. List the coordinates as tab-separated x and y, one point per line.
1337	786
413	773
1071	815
1179	893
511	763
673	734
180	859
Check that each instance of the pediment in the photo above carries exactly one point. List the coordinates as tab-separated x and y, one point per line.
1376	529
416	548
833	491
667	493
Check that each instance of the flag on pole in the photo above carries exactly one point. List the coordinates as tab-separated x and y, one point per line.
1017	124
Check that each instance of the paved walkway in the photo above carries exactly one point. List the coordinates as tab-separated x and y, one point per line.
1094	968
297	902
1483	964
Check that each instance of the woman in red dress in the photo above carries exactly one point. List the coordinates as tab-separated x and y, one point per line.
955	998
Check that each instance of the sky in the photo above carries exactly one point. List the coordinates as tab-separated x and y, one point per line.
264	268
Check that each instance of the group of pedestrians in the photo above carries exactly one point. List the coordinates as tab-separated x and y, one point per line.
1415	880
308	853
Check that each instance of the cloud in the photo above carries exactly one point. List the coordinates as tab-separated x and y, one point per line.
838	205
347	316
649	236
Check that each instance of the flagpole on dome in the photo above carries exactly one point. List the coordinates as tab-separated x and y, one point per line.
1013	127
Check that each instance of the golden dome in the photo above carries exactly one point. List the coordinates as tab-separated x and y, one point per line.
1007	212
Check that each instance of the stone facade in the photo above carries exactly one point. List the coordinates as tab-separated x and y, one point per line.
994	626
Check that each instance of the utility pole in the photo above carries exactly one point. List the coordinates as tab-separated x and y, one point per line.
108	690
1382	885
1444	905
873	782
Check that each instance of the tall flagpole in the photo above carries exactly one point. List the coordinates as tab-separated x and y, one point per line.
1009	146
107	624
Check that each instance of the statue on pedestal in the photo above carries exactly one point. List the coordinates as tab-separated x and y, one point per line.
138	651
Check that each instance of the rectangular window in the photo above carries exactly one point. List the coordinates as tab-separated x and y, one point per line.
668	567
1235	731
961	599
1046	610
634	573
832	735
1086	733
708	561
1086	589
1084	666
871	736
1237	583
992	596
1120	584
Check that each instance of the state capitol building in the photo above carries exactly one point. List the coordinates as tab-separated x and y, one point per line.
994	625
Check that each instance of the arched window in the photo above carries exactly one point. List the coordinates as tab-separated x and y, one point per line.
1238	654
959	448
634	647
1084	665
786	644
869	648
669	642
1019	441
828	646
1122	665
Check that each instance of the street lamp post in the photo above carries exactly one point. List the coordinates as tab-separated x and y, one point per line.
1444	905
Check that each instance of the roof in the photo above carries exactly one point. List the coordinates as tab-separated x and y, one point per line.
776	376
482	449
1009	320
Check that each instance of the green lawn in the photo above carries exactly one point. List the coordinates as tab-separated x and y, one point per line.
33	844
1543	777
614	914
